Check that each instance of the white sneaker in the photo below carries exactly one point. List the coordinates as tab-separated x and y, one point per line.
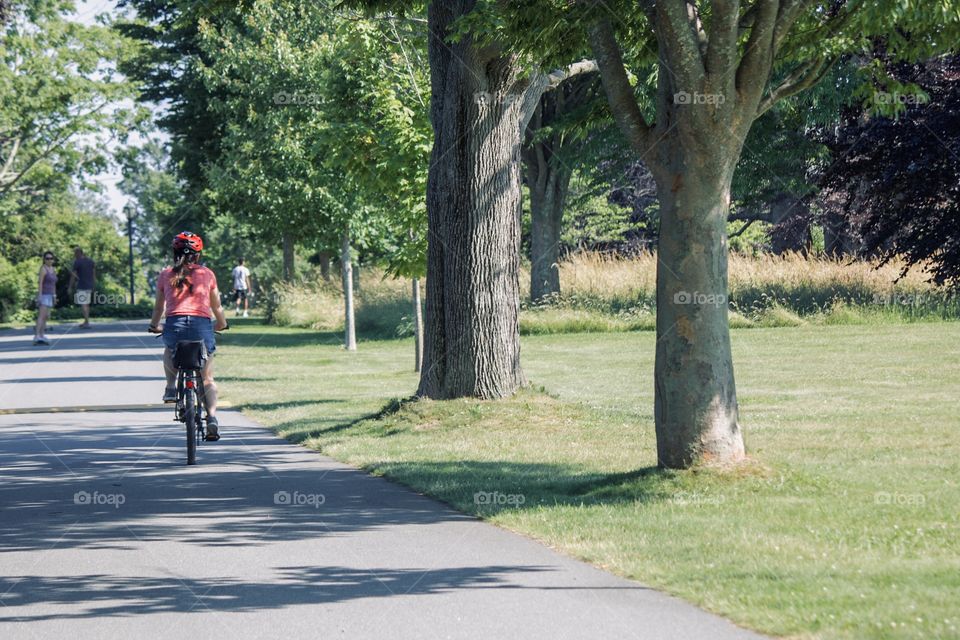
246	314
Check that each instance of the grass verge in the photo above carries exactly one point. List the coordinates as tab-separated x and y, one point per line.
845	525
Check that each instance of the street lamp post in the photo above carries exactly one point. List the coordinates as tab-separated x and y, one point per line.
129	210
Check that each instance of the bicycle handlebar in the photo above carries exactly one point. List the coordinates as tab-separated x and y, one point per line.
159	332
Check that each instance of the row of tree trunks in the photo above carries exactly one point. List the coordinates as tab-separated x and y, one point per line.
349	273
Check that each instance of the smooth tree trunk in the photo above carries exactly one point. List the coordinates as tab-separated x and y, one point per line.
289	268
708	94
346	274
713	82
417	325
695	401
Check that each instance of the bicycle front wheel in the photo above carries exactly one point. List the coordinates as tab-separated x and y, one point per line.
190	415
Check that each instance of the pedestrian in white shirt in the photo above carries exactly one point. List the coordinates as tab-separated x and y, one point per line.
241	287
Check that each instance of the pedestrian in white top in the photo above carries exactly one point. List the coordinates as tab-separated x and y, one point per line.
241	287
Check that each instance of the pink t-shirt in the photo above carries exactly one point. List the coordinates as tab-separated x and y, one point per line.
181	302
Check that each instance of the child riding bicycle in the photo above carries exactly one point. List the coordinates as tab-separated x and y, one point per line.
187	293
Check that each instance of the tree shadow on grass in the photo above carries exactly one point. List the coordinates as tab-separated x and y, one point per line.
298	437
286	404
459	482
486	488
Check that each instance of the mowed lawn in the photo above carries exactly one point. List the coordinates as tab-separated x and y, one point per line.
846	523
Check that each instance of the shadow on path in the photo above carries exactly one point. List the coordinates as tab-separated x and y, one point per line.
110	595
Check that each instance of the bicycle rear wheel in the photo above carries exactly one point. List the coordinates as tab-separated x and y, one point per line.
190	415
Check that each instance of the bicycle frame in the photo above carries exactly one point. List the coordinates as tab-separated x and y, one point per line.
191	407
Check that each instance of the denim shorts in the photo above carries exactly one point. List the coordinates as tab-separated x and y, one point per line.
45	300
177	328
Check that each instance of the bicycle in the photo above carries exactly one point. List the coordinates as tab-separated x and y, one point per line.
189	358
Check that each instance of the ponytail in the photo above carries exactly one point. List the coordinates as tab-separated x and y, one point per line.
180	271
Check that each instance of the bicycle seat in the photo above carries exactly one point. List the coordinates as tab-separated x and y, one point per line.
190	355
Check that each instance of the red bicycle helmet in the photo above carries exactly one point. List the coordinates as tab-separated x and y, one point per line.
187	242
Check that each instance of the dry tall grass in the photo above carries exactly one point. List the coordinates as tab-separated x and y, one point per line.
605	276
383	304
606	293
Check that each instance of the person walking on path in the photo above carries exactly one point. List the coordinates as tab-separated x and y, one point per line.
187	293
47	286
241	287
82	277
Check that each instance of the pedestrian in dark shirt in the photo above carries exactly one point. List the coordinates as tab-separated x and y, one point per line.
82	276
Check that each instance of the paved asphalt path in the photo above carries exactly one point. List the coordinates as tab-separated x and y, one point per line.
106	533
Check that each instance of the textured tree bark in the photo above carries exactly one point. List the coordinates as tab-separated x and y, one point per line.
480	106
417	326
346	271
289	267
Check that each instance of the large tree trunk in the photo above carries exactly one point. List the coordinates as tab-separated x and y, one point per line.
481	102
417	326
289	267
695	402
346	275
472	339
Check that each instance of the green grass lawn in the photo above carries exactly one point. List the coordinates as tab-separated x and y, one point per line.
846	524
